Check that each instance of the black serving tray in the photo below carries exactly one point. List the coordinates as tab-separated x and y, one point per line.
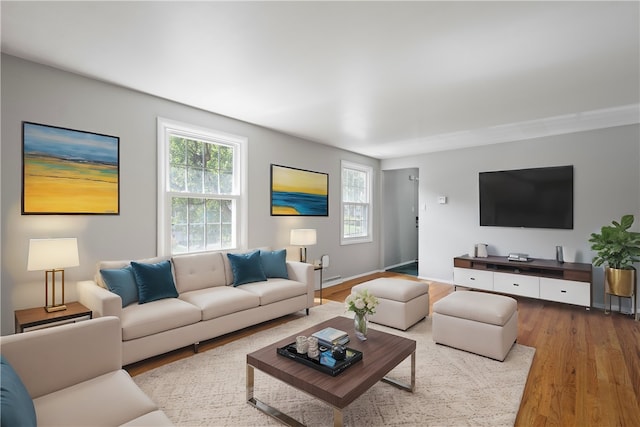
289	351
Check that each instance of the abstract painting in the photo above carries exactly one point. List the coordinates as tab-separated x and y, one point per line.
298	192
67	171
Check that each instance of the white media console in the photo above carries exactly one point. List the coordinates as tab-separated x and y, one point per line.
545	279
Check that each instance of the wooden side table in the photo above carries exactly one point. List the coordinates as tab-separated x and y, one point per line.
31	319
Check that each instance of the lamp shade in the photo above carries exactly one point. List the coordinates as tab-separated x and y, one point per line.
50	254
303	236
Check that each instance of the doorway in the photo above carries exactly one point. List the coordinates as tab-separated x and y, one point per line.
400	220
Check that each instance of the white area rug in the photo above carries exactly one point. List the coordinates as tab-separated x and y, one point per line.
453	388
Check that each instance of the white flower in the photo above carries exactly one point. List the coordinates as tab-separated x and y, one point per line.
361	302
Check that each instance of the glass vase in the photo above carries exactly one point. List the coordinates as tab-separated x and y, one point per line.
360	325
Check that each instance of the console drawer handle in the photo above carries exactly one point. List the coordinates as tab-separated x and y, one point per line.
563	291
472	278
515	284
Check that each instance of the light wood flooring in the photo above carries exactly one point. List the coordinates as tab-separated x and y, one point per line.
586	370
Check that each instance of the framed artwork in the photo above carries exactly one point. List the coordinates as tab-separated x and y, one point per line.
67	171
298	192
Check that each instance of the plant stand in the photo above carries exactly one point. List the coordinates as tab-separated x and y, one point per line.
634	295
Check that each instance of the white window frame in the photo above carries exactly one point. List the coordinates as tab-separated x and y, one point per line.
167	127
345	164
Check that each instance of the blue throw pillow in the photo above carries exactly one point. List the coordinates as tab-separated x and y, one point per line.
155	281
246	268
121	282
16	406
274	263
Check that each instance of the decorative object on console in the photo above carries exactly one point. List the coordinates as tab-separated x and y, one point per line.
362	303
53	256
618	248
299	192
518	257
481	250
569	254
472	251
69	171
303	237
559	254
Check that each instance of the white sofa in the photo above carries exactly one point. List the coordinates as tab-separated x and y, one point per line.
207	306
74	376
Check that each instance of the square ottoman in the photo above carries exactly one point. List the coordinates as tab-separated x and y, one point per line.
481	323
402	303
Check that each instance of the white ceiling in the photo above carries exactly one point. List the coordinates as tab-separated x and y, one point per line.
385	79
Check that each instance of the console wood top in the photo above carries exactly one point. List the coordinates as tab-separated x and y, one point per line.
532	262
535	267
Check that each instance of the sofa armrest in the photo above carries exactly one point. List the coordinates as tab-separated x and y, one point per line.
99	300
51	359
303	272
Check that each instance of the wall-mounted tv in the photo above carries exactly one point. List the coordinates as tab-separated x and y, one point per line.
530	198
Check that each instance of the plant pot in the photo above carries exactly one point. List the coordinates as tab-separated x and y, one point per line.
620	282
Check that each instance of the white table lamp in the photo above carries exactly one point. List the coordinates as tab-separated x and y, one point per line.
303	237
53	256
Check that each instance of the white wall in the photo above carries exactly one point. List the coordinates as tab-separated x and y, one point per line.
607	185
32	92
399	211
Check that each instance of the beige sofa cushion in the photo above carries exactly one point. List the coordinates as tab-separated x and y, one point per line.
140	320
275	290
199	271
110	399
221	300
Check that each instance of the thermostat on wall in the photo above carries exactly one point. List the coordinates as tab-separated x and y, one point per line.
442	200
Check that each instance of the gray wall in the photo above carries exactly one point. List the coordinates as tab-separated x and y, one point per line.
607	185
32	92
399	211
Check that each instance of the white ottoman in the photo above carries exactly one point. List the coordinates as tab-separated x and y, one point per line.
402	303
477	322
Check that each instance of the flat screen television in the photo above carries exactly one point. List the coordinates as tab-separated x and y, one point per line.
530	198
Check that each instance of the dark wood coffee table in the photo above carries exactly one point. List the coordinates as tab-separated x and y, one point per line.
381	353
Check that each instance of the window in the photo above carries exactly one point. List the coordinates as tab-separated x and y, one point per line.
201	194
356	203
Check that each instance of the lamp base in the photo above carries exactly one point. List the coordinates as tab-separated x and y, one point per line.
53	308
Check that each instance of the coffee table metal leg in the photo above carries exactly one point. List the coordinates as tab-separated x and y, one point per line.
337	417
402	385
249	383
268	409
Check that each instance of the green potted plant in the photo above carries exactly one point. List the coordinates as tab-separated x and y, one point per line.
618	248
